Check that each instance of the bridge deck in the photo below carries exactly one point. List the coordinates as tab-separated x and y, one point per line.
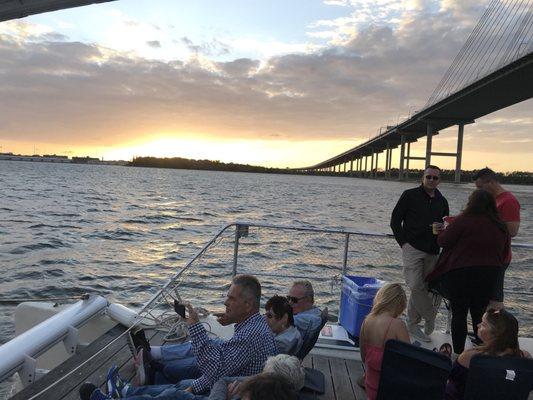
340	374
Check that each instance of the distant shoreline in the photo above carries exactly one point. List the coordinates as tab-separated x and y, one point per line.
515	177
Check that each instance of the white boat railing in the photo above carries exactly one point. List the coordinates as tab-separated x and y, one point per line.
278	254
20	354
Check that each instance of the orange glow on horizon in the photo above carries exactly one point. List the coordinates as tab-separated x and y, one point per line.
269	153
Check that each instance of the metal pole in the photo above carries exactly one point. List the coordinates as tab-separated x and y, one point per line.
402	153
345	259
429	137
459	153
236	250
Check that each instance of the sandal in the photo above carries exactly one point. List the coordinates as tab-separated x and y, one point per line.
446	349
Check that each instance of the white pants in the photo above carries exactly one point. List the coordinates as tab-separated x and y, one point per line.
416	266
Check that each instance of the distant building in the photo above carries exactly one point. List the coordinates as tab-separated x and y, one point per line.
85	160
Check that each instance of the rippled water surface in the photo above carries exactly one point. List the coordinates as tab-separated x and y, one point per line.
121	232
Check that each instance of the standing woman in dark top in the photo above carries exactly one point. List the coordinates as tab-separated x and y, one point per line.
499	332
474	246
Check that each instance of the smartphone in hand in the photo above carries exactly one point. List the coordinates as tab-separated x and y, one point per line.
179	308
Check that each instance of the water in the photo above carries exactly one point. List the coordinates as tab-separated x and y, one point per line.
120	232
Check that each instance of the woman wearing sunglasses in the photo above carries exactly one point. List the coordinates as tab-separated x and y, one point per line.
280	319
499	331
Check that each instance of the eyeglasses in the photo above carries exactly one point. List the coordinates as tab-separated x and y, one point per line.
269	315
434	177
295	300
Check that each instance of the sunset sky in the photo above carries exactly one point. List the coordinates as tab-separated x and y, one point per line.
277	83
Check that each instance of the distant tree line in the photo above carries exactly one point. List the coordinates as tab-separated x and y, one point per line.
448	175
185	163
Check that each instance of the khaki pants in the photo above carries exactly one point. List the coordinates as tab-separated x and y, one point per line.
416	266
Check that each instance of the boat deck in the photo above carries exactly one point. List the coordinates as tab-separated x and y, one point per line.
340	374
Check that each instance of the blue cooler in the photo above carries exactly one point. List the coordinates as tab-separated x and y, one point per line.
357	295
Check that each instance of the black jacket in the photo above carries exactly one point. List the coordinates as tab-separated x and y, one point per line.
412	218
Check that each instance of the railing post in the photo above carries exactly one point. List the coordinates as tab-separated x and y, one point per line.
240	231
235	251
345	259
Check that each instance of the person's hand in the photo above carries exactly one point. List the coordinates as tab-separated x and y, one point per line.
189	389
193	315
233	389
222	319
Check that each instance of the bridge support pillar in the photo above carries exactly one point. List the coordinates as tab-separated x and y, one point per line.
459	153
429	137
402	158
376	166
366	165
372	164
408	158
351	167
387	159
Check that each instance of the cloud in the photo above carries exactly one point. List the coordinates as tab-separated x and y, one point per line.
156	44
213	48
76	93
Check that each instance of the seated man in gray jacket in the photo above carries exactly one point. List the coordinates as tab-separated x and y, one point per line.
307	317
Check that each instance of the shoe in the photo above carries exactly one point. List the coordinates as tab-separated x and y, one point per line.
446	349
131	344
115	384
97	394
139	340
143	374
361	381
429	327
86	390
417	333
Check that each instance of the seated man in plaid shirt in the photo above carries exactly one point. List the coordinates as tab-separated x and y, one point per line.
242	355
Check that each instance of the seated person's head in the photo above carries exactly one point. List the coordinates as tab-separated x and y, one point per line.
301	296
499	332
266	386
288	367
278	314
243	298
389	299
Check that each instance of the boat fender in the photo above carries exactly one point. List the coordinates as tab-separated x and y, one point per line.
122	314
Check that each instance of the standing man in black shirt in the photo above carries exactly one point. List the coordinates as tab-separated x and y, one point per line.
412	224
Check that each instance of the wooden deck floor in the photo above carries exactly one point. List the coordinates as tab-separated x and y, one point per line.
340	377
340	374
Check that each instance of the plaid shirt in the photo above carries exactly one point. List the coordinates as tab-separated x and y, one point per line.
243	355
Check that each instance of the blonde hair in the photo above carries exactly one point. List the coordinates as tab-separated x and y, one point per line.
390	297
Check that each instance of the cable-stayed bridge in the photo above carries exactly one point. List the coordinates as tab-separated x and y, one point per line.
11	9
492	71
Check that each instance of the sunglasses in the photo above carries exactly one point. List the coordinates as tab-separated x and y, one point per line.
295	300
434	177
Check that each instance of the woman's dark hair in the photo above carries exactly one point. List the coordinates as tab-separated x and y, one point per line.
504	328
481	202
267	386
280	306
